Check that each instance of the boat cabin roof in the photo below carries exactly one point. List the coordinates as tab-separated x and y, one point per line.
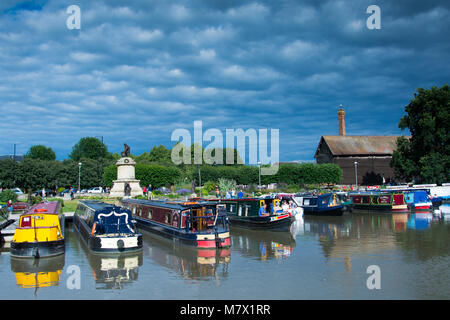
44	208
97	205
177	205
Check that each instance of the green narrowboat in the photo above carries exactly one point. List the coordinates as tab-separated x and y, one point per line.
245	213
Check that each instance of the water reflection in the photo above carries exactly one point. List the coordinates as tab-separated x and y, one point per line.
37	273
425	234
111	270
263	245
188	262
115	271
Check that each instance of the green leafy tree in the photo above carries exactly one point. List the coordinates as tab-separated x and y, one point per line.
160	154
425	157
41	152
89	148
8	168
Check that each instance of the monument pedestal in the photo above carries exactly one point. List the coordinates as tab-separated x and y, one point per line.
125	175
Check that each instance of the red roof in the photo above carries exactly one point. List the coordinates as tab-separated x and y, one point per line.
45	207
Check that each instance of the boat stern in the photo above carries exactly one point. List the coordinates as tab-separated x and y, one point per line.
214	240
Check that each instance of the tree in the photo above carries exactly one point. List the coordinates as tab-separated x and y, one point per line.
160	155
41	152
8	168
89	148
425	157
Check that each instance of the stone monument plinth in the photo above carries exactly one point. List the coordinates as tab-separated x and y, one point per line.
126	183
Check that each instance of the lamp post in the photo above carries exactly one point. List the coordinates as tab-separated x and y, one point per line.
259	169
356	173
200	179
79	175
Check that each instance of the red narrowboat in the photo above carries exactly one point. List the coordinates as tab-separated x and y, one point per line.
200	224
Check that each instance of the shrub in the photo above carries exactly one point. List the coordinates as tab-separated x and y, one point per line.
7	195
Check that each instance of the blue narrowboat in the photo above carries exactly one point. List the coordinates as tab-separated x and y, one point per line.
320	205
106	227
200	224
418	200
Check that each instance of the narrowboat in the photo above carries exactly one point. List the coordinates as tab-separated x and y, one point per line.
106	227
418	200
9	226
326	204
40	232
245	213
382	200
200	224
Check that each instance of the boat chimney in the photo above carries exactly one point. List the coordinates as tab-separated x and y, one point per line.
341	118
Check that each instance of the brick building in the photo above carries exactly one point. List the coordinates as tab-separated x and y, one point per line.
372	155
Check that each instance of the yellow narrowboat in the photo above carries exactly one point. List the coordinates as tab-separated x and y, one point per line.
40	232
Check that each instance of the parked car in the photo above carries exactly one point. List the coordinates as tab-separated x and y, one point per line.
48	193
17	191
95	190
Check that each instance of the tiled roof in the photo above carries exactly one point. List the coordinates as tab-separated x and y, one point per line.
360	145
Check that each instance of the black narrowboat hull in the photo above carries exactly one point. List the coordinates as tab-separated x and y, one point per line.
199	240
96	244
263	223
37	249
314	211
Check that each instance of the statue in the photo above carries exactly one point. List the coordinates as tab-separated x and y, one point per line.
126	150
127	189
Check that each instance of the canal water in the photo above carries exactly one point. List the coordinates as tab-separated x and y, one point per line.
360	255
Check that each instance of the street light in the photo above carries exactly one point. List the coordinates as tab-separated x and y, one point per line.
200	179
79	175
356	173
259	167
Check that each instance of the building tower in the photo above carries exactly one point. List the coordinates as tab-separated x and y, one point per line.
341	117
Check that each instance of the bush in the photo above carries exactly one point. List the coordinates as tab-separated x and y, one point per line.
7	195
209	186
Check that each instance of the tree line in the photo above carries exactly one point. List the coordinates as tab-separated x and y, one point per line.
40	169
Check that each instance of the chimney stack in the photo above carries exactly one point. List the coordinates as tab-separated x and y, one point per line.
341	117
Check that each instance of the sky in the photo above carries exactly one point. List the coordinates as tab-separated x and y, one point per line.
137	70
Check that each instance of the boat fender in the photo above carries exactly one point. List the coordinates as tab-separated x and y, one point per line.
94	226
120	244
36	253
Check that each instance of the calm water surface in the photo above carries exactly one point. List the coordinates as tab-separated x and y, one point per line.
322	258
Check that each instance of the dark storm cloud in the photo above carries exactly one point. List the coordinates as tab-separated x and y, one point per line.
137	70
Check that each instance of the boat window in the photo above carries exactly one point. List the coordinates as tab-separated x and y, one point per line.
232	206
325	200
168	218
134	210
184	215
175	218
310	202
26	222
240	211
150	214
